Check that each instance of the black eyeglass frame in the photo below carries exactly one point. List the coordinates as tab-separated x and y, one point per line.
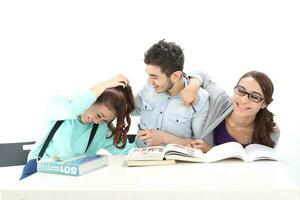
248	94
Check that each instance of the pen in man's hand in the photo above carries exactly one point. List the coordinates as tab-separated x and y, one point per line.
140	129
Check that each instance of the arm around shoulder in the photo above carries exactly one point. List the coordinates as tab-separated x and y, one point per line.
201	113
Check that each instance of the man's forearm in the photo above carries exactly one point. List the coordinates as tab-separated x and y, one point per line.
172	139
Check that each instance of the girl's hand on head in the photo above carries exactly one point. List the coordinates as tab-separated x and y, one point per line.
118	80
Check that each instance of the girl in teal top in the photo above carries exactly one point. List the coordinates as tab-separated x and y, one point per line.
106	101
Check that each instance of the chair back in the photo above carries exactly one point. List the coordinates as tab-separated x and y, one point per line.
12	154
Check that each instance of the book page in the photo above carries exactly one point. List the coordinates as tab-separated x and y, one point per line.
186	158
175	149
261	152
226	150
138	163
146	153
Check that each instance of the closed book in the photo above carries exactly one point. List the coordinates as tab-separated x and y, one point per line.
75	166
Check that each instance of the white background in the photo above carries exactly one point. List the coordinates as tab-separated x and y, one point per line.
64	47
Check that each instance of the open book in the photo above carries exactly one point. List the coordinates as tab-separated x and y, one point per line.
140	156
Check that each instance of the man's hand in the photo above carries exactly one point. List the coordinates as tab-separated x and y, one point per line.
151	137
189	94
200	144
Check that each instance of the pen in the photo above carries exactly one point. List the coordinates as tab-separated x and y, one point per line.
139	126
141	129
194	109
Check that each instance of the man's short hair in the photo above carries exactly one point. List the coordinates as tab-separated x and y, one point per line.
168	56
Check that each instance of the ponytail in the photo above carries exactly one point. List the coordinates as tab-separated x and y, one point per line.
263	128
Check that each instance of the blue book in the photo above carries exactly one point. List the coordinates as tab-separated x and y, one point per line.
74	166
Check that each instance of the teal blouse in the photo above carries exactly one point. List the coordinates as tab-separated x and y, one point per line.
72	136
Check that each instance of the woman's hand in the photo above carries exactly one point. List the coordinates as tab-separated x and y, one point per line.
119	80
190	93
200	144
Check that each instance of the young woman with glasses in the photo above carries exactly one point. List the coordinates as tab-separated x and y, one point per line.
243	118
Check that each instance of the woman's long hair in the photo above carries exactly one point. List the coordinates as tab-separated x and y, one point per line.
121	101
264	123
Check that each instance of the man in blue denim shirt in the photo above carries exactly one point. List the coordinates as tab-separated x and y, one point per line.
163	117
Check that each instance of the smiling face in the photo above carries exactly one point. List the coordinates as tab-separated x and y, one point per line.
159	81
243	107
97	114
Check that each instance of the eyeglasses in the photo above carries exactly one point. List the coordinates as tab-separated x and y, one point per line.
251	96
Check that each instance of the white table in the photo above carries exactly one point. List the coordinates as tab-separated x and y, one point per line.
231	179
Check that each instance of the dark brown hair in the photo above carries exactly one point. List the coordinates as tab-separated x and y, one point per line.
264	124
121	101
168	56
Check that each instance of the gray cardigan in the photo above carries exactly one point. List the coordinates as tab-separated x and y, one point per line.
220	107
